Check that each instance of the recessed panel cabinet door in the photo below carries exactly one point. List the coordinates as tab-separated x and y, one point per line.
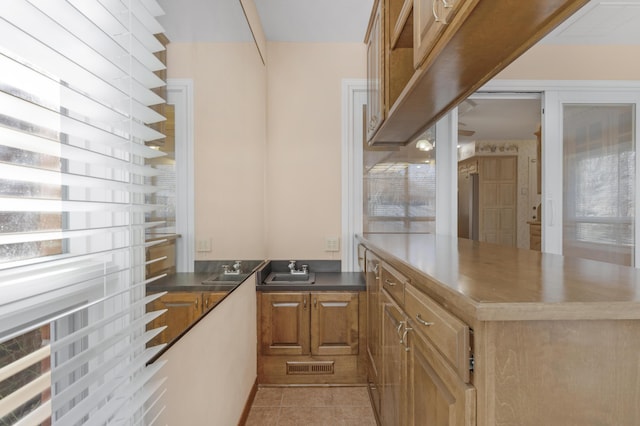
334	323
375	74
285	323
431	18
394	366
183	308
437	395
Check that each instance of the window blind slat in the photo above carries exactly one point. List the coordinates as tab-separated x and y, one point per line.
28	142
113	364
35	175
37	416
14	400
24	362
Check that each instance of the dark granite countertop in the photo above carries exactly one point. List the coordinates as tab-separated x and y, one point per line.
189	281
325	281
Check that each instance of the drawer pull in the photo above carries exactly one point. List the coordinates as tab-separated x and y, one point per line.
399	327
389	283
423	322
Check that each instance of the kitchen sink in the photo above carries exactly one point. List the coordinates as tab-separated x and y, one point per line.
225	279
287	278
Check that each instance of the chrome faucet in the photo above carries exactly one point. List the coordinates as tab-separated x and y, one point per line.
294	271
237	268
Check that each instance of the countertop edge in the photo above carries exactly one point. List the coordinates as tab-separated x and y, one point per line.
472	311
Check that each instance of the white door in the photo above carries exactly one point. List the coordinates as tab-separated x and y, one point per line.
589	175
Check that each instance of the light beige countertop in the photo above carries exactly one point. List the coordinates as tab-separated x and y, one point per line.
482	281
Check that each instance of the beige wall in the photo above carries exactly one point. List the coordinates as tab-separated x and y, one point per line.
304	145
229	144
556	62
210	371
267	145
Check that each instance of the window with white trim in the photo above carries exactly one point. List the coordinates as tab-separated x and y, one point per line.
76	90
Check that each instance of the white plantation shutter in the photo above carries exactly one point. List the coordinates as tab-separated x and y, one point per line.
76	80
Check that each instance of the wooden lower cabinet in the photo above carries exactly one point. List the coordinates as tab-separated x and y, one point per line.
436	395
374	330
394	366
183	309
284	324
318	330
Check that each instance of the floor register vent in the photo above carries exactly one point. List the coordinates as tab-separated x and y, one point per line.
318	367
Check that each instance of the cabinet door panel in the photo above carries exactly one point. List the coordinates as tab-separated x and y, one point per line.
374	324
284	324
437	396
394	366
183	308
375	75
334	324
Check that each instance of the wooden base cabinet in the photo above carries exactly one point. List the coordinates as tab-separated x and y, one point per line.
183	308
318	330
374	331
394	367
309	323
436	394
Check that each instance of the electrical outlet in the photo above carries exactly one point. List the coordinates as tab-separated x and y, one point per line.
203	245
332	244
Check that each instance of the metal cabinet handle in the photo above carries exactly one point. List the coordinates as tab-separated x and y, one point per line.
304	303
389	283
398	329
315	302
206	303
403	339
375	270
447	4
423	322
196	303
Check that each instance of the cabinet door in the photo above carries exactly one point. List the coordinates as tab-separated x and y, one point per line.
374	324
284	322
211	299
183	308
393	366
334	323
375	74
436	394
430	19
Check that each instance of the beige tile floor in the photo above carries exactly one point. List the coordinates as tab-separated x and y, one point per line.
311	406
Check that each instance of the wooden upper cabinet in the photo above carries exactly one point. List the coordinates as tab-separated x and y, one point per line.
375	72
334	324
284	323
431	18
446	62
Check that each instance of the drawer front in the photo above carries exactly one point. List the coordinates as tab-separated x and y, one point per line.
393	281
448	334
167	250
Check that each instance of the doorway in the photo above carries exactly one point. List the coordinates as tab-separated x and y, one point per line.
499	168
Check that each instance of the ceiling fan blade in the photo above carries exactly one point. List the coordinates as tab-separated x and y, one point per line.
463	132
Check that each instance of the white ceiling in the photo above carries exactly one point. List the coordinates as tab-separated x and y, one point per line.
599	22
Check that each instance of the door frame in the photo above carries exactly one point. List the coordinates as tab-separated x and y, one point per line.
180	94
554	93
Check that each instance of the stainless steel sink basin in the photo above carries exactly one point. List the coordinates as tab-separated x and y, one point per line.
287	278
225	279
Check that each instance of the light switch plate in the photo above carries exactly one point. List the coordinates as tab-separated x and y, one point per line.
332	244
203	245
